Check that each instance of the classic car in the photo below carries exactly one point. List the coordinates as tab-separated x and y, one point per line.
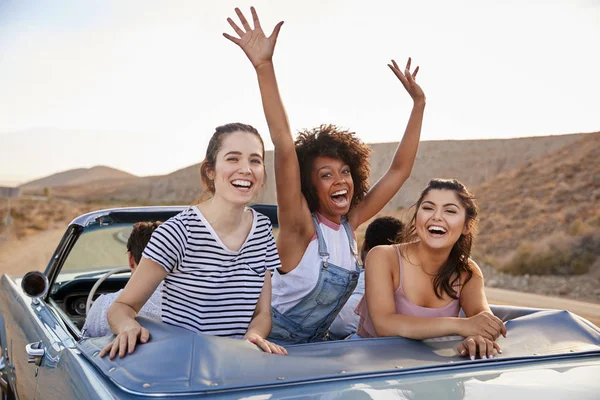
549	354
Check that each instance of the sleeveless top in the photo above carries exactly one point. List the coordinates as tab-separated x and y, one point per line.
404	306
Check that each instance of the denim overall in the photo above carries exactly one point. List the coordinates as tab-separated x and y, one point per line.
310	319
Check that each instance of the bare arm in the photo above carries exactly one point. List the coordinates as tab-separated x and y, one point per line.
294	215
381	263
260	326
473	300
121	315
401	167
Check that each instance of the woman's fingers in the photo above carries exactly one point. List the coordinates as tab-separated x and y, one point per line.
243	20
106	349
262	343
481	344
489	332
414	74
462	349
236	28
399	75
489	348
275	33
115	348
233	39
123	343
276	349
472	348
255	19
498	348
131	341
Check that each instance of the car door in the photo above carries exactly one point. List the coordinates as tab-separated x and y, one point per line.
21	329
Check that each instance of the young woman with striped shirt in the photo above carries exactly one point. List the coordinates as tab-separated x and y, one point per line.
215	257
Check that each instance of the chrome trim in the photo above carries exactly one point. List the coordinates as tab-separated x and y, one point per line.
35	352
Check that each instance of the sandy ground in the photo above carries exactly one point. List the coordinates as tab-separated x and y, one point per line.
33	253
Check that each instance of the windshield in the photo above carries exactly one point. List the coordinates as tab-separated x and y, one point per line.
96	250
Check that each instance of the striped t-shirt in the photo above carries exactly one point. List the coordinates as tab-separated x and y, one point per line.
209	288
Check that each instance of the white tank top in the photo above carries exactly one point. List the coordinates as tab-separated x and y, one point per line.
290	288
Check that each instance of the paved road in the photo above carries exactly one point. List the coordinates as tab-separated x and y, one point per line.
590	311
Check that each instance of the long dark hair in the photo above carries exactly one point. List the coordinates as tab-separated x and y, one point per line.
214	145
448	277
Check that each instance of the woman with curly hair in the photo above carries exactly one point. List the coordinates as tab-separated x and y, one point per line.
323	197
416	289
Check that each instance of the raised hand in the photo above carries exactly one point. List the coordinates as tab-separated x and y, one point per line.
408	80
255	44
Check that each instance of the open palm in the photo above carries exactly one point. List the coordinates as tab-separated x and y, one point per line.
408	80
258	47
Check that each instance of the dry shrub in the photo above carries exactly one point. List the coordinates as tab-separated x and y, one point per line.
557	254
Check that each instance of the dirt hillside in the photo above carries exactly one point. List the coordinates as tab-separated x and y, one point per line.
472	161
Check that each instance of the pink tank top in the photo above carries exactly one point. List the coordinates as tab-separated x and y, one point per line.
403	306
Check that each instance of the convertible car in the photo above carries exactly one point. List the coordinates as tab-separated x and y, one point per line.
550	354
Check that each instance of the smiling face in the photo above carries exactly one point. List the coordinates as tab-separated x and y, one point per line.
332	181
441	219
239	171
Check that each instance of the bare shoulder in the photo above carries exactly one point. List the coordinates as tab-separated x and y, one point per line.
475	268
381	256
476	275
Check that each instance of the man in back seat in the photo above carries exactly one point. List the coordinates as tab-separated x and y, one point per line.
96	323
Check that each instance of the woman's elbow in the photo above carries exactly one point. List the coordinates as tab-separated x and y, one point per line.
382	326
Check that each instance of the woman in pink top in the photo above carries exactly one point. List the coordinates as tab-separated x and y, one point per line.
416	289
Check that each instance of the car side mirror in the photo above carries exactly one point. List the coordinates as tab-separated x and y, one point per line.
35	285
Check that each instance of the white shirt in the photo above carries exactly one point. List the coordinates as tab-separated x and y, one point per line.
96	324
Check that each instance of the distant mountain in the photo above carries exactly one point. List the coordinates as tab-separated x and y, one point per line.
80	176
471	161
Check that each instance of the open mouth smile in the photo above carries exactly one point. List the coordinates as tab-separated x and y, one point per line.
436	230
242	184
340	198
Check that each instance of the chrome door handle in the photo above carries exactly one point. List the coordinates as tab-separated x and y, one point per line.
35	353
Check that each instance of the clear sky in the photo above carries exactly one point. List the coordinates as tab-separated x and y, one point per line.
140	85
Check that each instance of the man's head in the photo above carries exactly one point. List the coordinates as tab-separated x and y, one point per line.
382	231
140	235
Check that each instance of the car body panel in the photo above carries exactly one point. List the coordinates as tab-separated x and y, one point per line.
202	367
549	353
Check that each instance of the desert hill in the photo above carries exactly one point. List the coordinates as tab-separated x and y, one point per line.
472	161
546	211
78	176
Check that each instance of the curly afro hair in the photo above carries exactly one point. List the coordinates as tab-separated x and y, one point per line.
332	141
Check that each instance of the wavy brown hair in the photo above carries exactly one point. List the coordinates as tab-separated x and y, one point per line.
214	145
139	238
448	277
332	141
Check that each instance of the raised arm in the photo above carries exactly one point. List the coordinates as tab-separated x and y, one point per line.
404	158
294	214
121	315
379	284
